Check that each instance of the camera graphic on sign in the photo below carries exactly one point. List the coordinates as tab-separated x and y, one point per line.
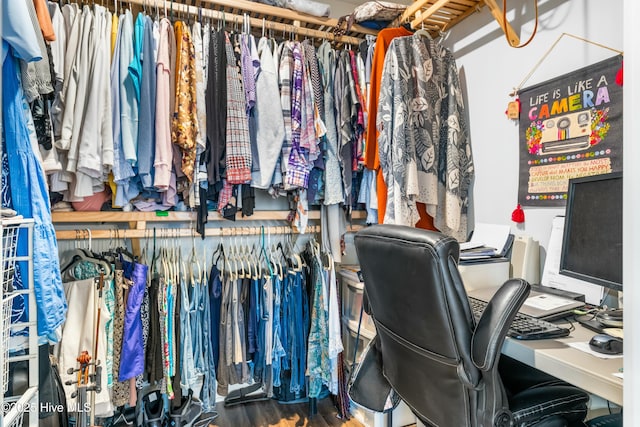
566	133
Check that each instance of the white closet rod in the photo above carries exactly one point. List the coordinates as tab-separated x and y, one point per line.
292	29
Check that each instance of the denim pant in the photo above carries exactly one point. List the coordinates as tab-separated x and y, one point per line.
209	385
278	350
300	320
187	367
195	316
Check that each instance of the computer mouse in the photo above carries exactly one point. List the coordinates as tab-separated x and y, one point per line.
606	344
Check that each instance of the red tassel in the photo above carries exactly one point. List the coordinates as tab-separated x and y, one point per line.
619	75
518	214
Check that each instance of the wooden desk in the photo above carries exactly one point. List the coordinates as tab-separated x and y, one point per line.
556	357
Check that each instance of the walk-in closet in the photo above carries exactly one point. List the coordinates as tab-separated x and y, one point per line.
182	181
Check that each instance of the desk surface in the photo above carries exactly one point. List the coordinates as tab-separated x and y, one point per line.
556	357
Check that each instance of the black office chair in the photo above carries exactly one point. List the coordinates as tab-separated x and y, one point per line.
434	355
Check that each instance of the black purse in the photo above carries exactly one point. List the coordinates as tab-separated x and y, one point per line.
368	386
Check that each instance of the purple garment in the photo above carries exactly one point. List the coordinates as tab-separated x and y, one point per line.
250	68
297	172
132	355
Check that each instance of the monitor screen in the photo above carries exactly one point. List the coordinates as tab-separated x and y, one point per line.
592	241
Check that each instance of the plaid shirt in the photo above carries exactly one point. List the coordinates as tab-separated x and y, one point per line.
225	196
285	71
297	173
238	143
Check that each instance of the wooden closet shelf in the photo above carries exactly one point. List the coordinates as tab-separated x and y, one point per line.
440	15
273	18
182	233
139	228
170	216
76	217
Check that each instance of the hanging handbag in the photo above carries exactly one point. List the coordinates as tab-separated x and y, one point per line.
368	386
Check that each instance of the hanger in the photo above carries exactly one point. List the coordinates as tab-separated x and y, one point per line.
271	257
219	251
238	259
83	254
144	253
222	19
423	32
263	252
246	271
245	251
205	277
255	259
296	256
231	272
177	258
154	254
164	259
193	260
123	250
246	24
252	257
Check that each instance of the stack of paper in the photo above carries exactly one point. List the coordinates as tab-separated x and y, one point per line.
487	241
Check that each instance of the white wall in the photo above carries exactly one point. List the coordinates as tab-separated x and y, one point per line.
631	226
491	69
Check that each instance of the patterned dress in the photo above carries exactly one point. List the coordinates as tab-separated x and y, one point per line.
185	116
424	147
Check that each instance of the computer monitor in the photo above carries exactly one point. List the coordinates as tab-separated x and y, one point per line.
592	241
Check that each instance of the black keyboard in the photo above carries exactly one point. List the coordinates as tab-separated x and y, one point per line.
524	327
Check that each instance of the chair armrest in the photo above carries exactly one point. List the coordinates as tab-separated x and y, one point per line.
488	337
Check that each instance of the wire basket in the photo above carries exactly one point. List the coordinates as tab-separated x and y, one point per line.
15	422
5	325
9	245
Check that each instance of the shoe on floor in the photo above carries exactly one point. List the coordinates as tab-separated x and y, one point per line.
153	409
187	413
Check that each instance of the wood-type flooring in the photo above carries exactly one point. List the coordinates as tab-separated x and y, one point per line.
270	413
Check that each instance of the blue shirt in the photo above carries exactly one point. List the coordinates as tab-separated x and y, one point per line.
147	118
